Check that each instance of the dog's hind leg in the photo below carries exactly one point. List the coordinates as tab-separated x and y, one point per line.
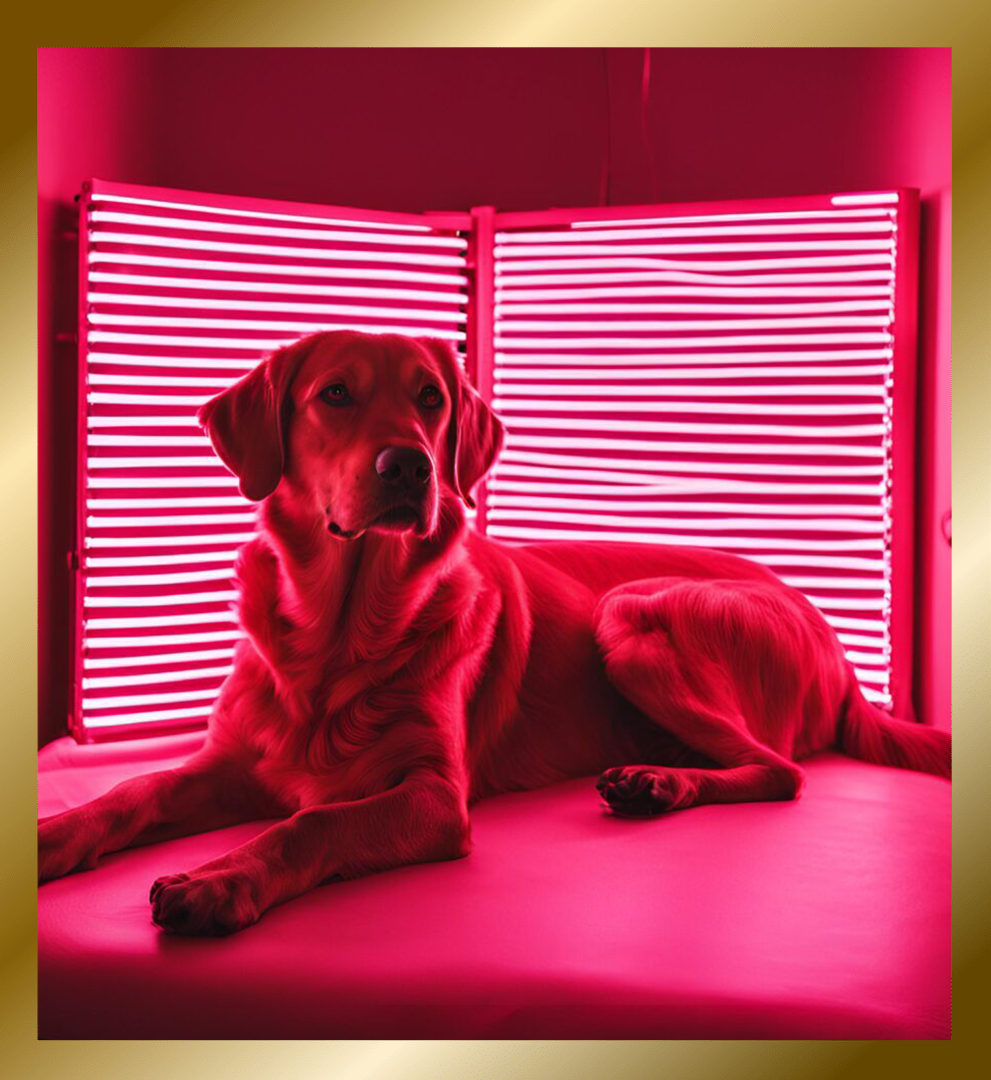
734	671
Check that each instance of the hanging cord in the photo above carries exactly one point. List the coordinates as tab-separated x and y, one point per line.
648	146
606	170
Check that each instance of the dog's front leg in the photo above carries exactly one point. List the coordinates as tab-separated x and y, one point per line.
425	818
205	793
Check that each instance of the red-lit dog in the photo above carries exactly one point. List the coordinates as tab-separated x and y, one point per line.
398	666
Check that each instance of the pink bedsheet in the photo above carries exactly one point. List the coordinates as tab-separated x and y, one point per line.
824	918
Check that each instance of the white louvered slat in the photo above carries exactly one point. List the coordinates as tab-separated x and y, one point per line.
181	296
714	380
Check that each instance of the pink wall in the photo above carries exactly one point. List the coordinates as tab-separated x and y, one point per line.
518	128
87	124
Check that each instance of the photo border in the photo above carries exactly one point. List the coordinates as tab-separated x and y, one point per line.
543	23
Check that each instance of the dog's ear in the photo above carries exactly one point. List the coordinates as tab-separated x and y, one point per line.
475	434
246	423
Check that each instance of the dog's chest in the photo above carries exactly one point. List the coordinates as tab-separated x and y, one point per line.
330	741
340	709
296	787
298	779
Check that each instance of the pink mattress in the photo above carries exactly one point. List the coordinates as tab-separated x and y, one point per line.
825	918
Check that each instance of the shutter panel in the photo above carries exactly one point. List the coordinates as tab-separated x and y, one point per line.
736	376
181	295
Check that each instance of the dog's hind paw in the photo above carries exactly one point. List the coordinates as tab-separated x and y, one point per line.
645	790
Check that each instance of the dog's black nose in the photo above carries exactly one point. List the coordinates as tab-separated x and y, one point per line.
404	466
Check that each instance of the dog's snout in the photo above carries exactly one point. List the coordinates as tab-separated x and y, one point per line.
404	466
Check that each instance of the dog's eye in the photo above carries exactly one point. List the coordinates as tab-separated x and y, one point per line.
336	394
431	397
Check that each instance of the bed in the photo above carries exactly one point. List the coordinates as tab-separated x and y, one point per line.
826	918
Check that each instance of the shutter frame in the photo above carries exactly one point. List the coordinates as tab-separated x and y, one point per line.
408	255
900	464
480	226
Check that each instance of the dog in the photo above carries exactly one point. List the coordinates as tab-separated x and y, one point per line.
397	666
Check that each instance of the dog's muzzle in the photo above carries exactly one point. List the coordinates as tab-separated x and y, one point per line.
405	498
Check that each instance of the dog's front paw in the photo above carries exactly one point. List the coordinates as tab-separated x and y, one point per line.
204	903
66	842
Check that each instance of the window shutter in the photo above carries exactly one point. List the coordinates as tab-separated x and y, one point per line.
181	295
736	376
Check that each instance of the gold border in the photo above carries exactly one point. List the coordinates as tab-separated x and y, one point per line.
526	23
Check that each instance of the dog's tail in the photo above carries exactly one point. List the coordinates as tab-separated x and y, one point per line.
871	735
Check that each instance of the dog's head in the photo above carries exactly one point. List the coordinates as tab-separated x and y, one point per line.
373	430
